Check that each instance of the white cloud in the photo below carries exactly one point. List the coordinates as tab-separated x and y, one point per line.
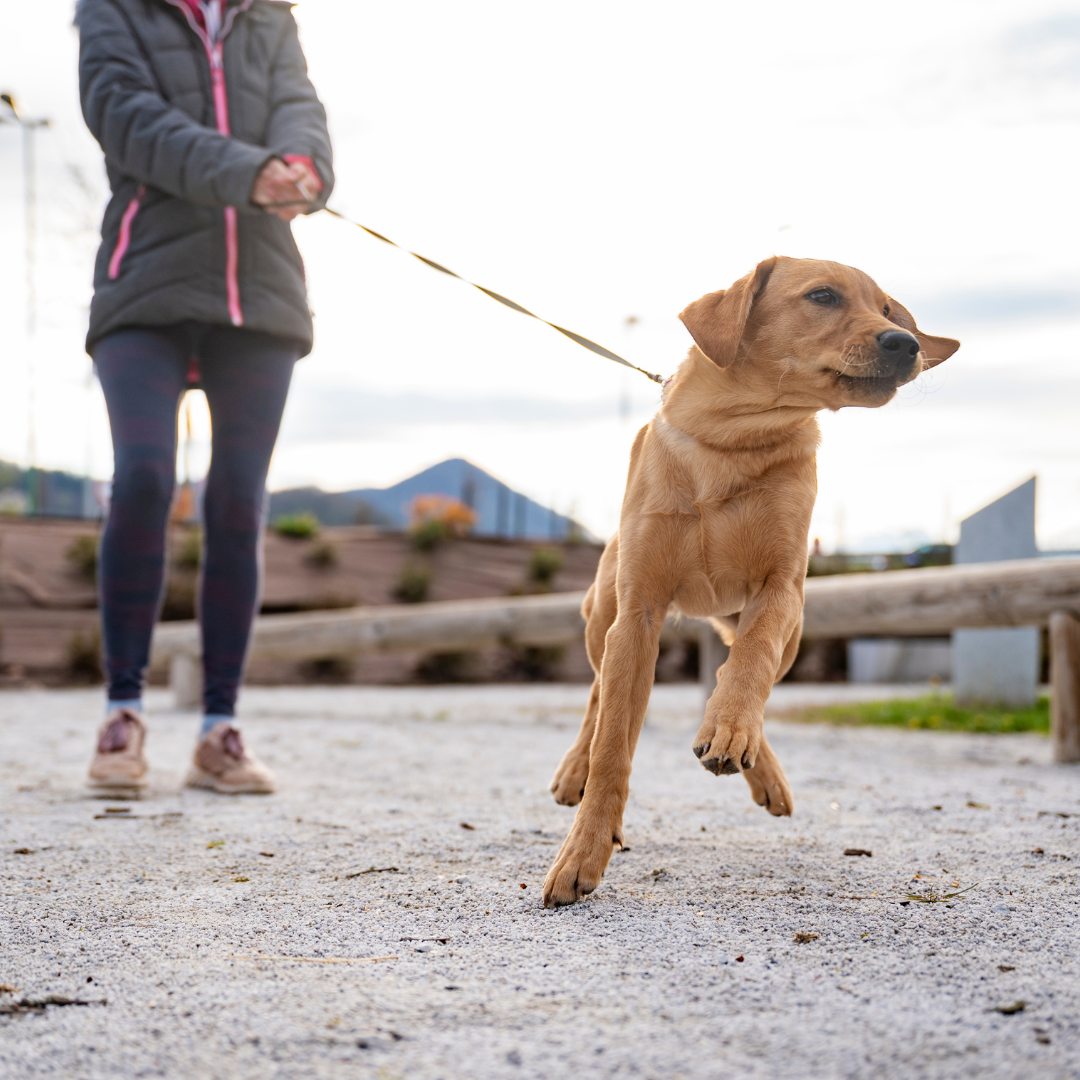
602	160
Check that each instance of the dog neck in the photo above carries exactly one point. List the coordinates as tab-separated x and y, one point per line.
722	409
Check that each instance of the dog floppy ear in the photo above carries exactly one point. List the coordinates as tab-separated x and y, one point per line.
935	349
717	320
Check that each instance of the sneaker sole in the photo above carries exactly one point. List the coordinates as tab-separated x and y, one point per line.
119	785
200	778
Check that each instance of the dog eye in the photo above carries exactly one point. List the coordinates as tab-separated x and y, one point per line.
886	311
825	297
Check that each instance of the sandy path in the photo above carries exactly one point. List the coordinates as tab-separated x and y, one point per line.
682	964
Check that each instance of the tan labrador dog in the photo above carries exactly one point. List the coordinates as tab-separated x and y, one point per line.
715	522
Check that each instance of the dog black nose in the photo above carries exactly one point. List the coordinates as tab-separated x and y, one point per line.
899	348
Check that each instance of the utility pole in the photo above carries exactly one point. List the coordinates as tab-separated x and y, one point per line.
29	126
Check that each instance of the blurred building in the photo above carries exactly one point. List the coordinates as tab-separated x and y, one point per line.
500	511
51	493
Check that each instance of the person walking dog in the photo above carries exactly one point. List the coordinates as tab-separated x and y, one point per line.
214	140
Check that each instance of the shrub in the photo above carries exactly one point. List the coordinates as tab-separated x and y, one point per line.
437	517
189	553
327	669
303	526
413	583
427	535
84	657
179	601
544	564
533	663
323	556
447	667
83	556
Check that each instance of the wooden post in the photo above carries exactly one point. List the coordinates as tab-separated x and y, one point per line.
1065	686
185	681
712	652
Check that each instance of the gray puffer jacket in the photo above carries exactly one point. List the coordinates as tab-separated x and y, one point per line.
186	124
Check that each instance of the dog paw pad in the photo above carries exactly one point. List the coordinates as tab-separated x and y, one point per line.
720	766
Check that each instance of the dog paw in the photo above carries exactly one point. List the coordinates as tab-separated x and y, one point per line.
568	783
580	864
769	787
726	747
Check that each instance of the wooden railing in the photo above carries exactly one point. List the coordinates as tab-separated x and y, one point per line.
936	600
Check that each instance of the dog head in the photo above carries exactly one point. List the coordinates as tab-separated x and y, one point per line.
823	333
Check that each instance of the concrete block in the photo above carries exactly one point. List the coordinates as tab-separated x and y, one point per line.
998	665
185	681
899	660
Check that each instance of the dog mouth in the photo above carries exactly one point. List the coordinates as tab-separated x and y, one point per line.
868	385
861	371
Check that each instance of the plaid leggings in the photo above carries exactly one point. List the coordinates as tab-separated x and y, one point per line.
144	373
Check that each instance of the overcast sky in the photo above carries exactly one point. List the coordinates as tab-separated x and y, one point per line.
599	160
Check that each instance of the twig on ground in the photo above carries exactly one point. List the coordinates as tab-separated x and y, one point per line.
39	1005
932	897
315	959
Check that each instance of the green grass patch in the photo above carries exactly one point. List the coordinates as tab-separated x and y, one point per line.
935	712
303	526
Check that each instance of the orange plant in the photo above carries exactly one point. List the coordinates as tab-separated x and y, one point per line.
452	514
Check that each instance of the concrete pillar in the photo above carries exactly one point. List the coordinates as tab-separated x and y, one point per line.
1065	686
998	666
185	681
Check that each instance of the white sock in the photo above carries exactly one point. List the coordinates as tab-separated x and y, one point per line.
209	720
135	706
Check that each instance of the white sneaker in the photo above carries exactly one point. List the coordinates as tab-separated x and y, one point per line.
222	764
119	764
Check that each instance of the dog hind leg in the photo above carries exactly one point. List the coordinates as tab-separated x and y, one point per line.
599	609
791	650
568	783
627	676
768	785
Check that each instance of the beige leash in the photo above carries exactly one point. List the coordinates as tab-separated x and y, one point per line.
584	342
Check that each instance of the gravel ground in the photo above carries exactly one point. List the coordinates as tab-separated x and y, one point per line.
180	920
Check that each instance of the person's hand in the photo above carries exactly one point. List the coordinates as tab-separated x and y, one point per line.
285	190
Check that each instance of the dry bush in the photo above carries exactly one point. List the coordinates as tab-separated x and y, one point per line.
190	550
82	555
323	556
413	583
448	667
84	657
327	670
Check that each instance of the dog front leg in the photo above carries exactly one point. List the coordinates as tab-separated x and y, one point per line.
626	680
730	736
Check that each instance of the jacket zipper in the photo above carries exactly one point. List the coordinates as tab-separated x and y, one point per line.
123	237
215	54
232	239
